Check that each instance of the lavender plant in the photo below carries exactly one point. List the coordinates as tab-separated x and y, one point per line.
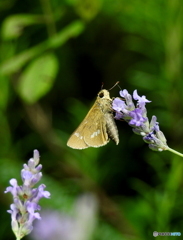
136	117
24	209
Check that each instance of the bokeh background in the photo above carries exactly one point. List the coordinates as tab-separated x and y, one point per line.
54	57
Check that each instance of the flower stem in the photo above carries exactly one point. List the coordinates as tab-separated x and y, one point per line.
172	150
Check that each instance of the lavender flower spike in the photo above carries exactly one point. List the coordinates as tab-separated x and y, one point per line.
24	208
136	116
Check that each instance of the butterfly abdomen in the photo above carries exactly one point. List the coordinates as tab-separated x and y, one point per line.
112	128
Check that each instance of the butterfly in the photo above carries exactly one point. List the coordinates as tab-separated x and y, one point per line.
98	127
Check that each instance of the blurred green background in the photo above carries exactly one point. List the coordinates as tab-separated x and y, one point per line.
54	57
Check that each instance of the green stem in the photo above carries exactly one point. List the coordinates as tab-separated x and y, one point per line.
49	18
173	151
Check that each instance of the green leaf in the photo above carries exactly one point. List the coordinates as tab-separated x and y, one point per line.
38	78
13	25
13	64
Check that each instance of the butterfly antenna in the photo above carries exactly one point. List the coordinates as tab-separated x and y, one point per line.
119	87
115	85
102	86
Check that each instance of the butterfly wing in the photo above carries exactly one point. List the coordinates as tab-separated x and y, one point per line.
97	133
91	132
76	140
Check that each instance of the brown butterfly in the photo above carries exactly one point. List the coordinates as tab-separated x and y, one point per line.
98	127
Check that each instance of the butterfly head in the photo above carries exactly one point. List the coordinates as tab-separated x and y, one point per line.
104	94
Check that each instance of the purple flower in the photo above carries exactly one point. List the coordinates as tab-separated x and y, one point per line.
125	109
118	105
79	225
14	189
124	93
140	100
154	125
128	99
120	108
25	199
136	117
54	225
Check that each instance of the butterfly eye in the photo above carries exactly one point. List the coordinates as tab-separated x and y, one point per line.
101	95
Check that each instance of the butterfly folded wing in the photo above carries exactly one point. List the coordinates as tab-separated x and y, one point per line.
97	133
91	132
76	140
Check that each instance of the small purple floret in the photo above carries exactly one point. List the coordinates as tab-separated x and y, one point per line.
141	100
137	119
